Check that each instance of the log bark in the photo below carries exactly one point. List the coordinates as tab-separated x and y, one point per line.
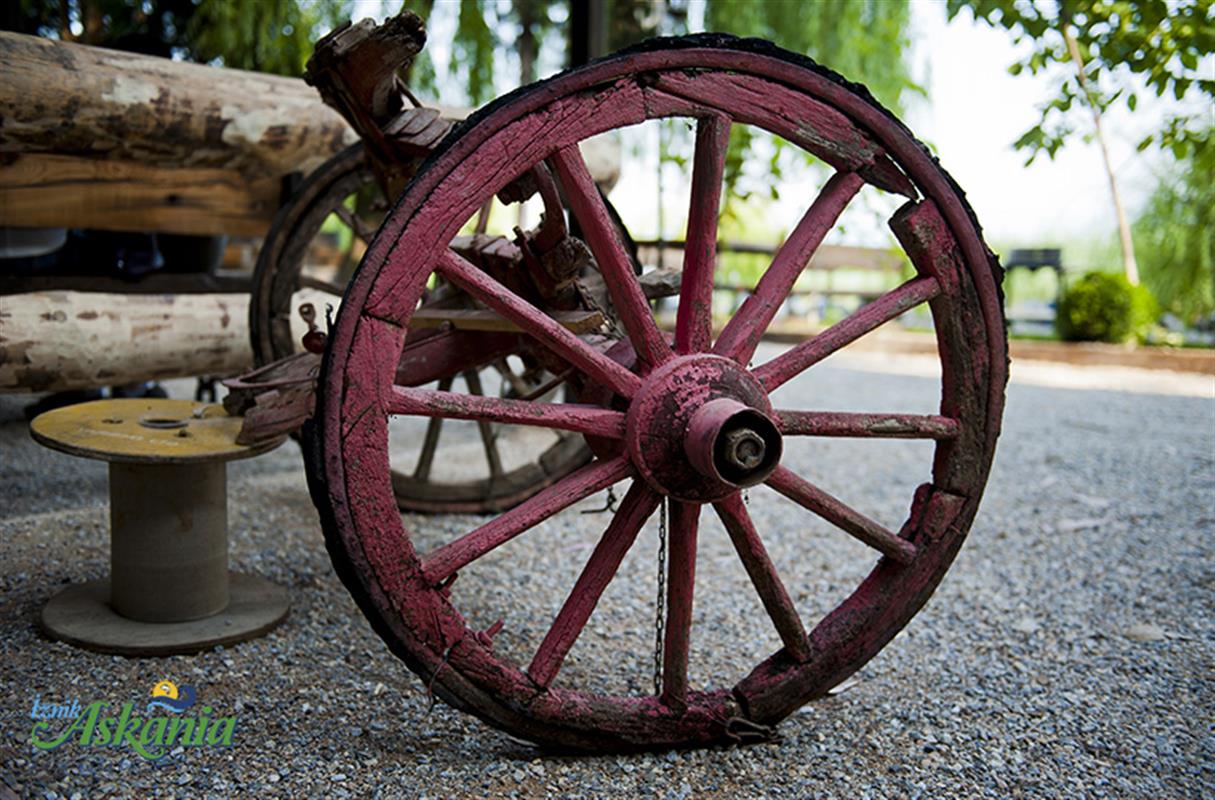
72	99
53	341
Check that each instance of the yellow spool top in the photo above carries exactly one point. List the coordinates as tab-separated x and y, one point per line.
145	431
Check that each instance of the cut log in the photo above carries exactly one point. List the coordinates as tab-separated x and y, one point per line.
97	138
71	99
53	341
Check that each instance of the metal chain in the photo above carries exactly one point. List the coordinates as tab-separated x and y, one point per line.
610	505
660	603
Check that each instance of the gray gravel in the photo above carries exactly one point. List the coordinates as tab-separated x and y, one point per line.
1068	652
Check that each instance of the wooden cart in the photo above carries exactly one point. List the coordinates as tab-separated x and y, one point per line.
684	418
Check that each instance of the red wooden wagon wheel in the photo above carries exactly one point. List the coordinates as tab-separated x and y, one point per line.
687	423
295	268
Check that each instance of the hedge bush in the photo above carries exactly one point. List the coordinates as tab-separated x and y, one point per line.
1105	307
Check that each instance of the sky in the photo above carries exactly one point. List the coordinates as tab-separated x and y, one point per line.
975	110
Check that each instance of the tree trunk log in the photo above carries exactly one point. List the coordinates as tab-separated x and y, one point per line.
71	99
52	341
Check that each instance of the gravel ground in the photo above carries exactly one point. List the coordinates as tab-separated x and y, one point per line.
1067	653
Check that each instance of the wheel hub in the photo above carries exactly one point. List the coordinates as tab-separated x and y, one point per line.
701	428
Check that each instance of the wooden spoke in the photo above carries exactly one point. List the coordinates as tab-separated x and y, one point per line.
681	580
591	420
613	260
635	509
356	225
742	334
421	472
538	324
866	426
519	386
320	285
887	307
847	519
483	216
763	575
548	386
485	428
490	443
694	321
596	476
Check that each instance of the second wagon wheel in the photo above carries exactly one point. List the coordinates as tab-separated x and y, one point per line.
688	423
307	258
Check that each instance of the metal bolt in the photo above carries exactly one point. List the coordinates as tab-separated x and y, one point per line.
744	448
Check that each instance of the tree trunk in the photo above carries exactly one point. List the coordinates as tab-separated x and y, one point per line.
527	66
1129	266
527	41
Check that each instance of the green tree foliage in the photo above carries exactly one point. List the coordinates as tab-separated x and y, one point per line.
1104	50
472	51
1124	44
487	34
266	35
1175	240
158	27
864	40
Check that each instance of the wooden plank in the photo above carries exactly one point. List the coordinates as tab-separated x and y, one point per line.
577	322
848	257
55	191
827	257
